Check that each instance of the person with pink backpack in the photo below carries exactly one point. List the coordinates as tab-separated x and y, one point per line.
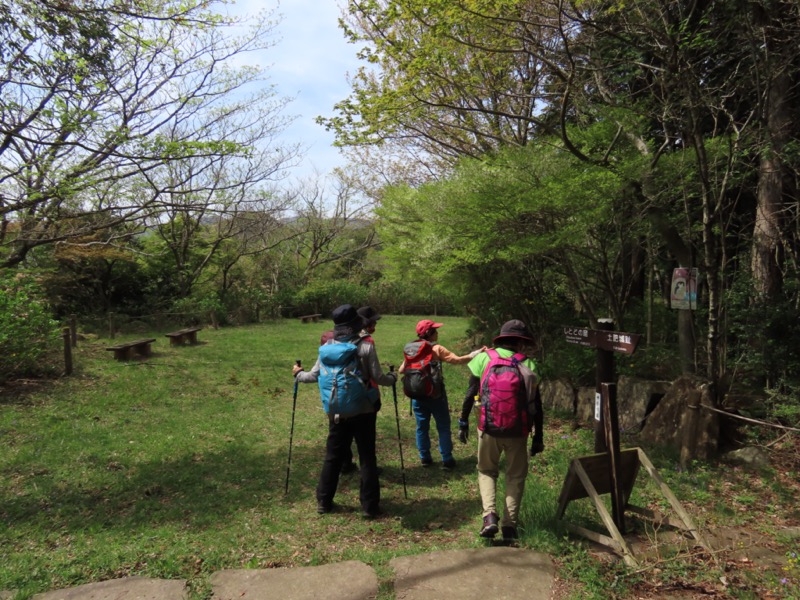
504	387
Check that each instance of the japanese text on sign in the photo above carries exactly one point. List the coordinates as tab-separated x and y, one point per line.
614	341
580	335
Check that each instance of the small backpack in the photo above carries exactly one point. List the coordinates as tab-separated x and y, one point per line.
422	377
341	383
507	390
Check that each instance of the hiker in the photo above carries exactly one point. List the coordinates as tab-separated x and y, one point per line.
423	382
504	384
370	317
344	369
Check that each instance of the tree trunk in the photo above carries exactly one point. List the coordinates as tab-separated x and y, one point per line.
767	247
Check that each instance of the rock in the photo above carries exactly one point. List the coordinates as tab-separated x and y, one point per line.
558	395
135	588
750	456
636	398
584	407
348	580
666	425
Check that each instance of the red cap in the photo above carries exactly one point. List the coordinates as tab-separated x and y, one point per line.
424	326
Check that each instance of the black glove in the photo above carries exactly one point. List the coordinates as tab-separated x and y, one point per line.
537	446
463	431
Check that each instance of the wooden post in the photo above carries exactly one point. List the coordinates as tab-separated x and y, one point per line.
73	329
611	420
111	325
67	351
604	374
689	422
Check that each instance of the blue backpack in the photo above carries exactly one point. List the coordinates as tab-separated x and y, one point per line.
341	383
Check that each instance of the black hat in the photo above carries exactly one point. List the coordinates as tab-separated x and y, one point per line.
369	314
345	316
514	329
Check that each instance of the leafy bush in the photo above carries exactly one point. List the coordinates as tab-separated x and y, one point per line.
198	309
323	296
27	330
411	297
762	334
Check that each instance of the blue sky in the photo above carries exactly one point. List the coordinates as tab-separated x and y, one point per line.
309	62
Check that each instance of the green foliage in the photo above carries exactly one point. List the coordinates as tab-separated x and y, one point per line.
527	233
762	337
27	330
414	292
197	309
322	296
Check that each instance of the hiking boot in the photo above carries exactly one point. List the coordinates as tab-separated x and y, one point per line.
426	462
509	533
348	468
489	529
323	508
371	514
449	464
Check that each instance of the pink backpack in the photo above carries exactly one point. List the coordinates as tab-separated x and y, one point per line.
507	387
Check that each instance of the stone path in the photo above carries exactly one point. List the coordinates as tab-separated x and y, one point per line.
499	573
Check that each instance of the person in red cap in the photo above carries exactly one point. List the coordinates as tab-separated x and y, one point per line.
426	349
513	339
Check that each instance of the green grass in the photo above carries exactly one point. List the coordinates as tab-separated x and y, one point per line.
175	467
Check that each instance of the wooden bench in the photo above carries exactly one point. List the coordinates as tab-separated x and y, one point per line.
177	338
125	350
310	318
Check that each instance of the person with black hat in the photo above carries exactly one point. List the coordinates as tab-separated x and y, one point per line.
370	317
434	406
505	363
357	423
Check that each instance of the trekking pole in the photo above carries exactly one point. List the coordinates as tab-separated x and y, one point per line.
399	444
291	432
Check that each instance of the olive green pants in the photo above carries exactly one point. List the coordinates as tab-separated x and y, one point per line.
489	451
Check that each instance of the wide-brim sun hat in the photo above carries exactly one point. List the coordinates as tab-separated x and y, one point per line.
514	329
345	317
369	314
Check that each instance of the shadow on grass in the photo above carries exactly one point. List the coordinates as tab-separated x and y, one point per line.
196	490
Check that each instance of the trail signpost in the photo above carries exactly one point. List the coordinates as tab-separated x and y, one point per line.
611	470
611	341
606	341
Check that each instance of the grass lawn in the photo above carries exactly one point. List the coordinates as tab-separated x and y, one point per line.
174	466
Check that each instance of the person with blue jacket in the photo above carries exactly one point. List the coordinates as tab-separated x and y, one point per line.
360	426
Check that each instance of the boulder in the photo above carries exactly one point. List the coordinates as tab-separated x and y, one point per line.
668	422
584	408
558	395
636	398
752	457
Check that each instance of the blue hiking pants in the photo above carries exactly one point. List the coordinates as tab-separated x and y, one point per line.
439	410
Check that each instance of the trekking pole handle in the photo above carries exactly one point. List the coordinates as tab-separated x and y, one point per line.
298	361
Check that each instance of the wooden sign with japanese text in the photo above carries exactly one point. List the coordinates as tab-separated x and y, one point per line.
613	341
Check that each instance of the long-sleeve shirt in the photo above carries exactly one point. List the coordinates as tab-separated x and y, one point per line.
473	390
442	354
369	363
